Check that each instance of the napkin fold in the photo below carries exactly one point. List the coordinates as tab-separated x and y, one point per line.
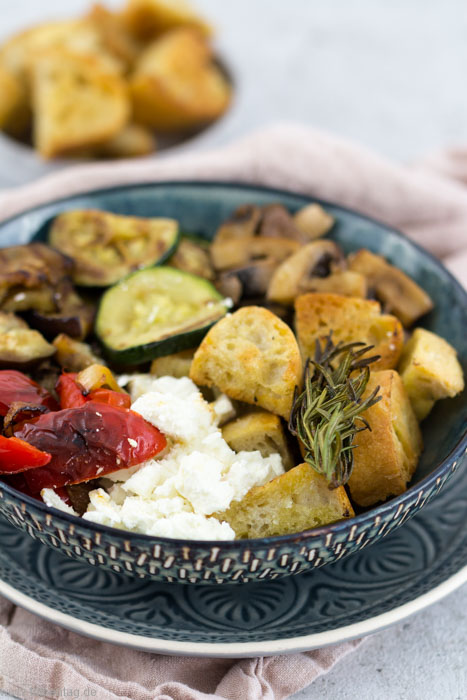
427	200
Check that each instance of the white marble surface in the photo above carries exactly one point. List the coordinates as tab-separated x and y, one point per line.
392	76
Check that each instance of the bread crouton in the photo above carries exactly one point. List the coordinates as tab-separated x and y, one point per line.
251	356
176	365
14	108
114	35
350	320
260	431
76	104
430	371
386	456
399	294
298	500
149	18
176	86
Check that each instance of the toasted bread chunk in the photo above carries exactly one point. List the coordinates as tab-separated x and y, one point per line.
260	431
430	371
79	36
386	457
176	86
14	109
251	356
149	18
176	365
313	221
75	103
114	35
399	294
131	142
350	320
298	500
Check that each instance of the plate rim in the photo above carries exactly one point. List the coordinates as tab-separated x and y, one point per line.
232	650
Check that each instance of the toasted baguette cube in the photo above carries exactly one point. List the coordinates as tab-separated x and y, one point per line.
430	371
298	500
260	431
386	456
148	18
14	109
251	356
399	294
176	86
176	365
114	35
350	320
76	104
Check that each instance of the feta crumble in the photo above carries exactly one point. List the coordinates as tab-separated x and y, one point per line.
176	493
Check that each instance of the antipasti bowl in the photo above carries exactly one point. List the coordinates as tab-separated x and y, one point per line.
200	207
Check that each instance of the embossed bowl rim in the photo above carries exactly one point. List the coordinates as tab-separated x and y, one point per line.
382	511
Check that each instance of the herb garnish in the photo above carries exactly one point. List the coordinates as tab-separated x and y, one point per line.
324	415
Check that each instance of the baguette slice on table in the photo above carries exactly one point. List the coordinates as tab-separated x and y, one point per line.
176	85
77	104
298	500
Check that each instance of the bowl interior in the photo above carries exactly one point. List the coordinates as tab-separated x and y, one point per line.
200	208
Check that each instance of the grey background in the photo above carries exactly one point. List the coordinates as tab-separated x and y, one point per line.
391	75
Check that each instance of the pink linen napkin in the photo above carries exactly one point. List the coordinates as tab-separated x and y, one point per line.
428	201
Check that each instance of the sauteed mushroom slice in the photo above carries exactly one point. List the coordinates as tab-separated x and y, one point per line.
293	276
226	255
229	285
344	282
398	293
193	258
243	223
255	277
277	222
313	221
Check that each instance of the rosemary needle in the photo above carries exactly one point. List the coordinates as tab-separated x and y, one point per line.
326	414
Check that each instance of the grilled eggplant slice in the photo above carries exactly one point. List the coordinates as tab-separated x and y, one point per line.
106	247
20	347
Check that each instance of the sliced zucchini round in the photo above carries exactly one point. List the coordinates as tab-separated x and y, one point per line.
156	311
106	247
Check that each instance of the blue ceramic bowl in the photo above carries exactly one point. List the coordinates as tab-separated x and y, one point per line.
200	207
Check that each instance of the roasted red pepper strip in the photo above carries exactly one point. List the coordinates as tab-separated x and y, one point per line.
15	386
110	397
17	456
88	442
69	393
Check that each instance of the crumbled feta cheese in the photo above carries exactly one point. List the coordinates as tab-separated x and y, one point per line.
53	500
174	494
223	409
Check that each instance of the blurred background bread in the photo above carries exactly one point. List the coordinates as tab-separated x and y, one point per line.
101	85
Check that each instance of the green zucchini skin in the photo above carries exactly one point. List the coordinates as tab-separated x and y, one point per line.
145	353
179	340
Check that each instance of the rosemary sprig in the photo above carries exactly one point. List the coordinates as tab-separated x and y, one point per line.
326	414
